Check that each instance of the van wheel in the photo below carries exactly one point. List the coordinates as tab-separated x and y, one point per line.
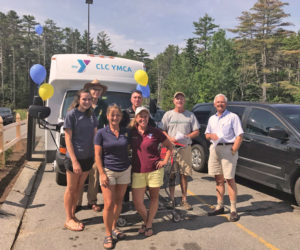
297	191
198	158
61	179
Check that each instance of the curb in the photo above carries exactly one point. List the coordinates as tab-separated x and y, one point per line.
14	207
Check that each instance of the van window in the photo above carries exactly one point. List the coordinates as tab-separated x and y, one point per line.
237	110
260	121
292	113
121	99
203	112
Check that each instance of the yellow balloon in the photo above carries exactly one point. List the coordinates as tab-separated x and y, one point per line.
46	91
141	77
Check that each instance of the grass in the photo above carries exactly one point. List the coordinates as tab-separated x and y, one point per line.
8	152
22	112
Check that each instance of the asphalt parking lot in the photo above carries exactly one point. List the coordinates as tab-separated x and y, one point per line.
268	221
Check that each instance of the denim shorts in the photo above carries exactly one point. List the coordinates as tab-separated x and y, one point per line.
85	164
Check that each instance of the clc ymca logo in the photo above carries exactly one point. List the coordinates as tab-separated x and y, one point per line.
83	64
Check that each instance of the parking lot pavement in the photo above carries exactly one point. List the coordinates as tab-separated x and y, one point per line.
266	222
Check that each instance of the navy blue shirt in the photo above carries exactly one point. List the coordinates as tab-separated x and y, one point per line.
82	128
114	149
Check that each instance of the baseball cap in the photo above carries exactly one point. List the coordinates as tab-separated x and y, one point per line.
140	109
179	93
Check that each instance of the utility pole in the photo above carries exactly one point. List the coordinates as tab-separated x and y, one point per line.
88	2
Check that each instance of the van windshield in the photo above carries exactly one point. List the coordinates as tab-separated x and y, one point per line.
121	99
292	113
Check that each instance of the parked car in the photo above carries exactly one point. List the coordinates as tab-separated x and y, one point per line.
270	152
7	115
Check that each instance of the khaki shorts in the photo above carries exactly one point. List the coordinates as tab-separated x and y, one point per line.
151	179
183	162
222	162
116	178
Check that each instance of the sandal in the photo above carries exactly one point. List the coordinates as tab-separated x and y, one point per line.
147	230
108	240
142	229
95	207
75	226
79	222
118	234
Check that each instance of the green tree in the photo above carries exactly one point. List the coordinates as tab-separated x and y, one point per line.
204	29
191	52
103	45
131	54
71	40
53	41
219	73
263	25
158	73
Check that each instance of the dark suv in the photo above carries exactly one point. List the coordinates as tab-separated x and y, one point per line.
270	152
7	115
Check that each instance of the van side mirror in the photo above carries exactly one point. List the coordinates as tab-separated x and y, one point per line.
37	101
39	112
278	133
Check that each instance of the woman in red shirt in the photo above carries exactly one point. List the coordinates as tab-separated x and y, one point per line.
147	166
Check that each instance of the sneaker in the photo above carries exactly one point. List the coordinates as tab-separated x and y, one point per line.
186	205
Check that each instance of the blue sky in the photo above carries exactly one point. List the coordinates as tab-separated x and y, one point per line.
134	24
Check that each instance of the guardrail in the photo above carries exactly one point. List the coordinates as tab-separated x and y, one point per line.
19	136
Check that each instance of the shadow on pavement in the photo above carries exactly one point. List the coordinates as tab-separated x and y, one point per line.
36	184
263	208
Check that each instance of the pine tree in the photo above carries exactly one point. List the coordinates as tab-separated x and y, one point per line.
259	29
104	45
204	29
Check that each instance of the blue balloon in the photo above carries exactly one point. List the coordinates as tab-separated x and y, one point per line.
38	29
145	90
38	73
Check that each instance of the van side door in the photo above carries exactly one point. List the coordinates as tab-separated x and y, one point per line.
263	158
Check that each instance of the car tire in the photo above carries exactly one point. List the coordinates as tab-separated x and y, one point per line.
198	158
297	191
61	179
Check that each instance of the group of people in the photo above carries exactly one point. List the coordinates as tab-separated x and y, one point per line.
99	138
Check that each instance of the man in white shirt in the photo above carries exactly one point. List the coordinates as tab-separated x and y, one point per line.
225	131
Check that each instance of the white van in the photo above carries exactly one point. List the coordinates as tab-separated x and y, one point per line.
68	74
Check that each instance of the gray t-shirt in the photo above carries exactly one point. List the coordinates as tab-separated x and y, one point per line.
82	128
184	123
